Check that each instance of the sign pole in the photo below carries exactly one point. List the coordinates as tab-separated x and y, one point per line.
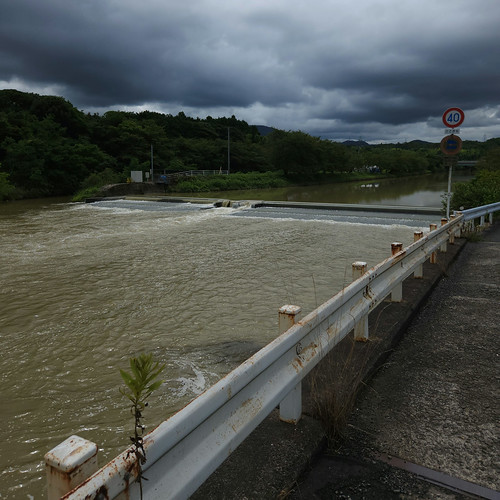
451	145
448	194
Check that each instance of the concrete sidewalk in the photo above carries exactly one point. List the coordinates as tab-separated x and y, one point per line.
417	408
432	412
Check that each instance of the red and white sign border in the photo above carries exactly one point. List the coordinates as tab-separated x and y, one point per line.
453	110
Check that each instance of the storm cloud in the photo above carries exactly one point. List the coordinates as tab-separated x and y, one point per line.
379	71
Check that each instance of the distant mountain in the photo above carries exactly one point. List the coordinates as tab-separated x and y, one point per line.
359	144
264	130
418	143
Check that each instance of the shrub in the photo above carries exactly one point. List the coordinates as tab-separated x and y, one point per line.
140	383
86	193
237	181
482	190
107	176
7	190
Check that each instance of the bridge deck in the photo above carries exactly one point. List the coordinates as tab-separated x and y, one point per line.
433	409
434	403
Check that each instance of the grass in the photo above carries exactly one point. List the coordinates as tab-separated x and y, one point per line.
335	384
86	193
473	236
237	181
261	180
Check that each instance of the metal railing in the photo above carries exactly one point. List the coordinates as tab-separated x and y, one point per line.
481	212
183	451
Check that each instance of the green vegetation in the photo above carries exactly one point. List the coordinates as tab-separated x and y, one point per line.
141	383
50	148
7	190
250	180
482	190
85	193
92	185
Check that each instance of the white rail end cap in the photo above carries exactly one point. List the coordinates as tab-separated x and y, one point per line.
359	264
71	453
290	309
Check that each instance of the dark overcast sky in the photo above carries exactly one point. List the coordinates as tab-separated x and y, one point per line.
381	71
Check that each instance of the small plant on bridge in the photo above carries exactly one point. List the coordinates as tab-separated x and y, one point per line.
335	386
141	382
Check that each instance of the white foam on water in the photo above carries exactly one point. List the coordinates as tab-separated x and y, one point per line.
353	221
129	206
192	385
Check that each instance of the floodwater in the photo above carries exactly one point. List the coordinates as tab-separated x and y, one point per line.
86	286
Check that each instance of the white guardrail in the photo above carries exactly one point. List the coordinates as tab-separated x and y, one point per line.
183	451
481	212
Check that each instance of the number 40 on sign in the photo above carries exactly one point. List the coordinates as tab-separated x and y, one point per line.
453	117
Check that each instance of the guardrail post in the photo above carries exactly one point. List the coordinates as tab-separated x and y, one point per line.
419	270
433	257
481	221
69	464
291	405
287	315
452	231
468	226
361	327
490	218
397	291
444	246
460	227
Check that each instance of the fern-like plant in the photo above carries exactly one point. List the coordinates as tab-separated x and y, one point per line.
140	382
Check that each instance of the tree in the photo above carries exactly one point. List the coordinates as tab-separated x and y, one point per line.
7	190
491	160
482	190
296	153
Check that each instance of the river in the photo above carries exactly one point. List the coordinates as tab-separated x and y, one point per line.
420	191
86	286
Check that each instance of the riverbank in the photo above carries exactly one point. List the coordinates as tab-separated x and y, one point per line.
280	460
421	191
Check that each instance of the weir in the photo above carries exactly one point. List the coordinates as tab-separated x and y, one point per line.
186	449
395	209
343	207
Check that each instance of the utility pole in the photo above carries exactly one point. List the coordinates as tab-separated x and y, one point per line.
152	166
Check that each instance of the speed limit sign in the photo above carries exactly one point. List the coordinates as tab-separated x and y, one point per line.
453	117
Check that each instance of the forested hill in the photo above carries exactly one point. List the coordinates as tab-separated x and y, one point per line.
48	147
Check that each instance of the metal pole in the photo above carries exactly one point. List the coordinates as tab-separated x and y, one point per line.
291	405
448	197
433	257
419	270
397	291
361	327
152	166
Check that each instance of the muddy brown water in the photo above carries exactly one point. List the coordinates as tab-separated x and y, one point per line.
86	286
